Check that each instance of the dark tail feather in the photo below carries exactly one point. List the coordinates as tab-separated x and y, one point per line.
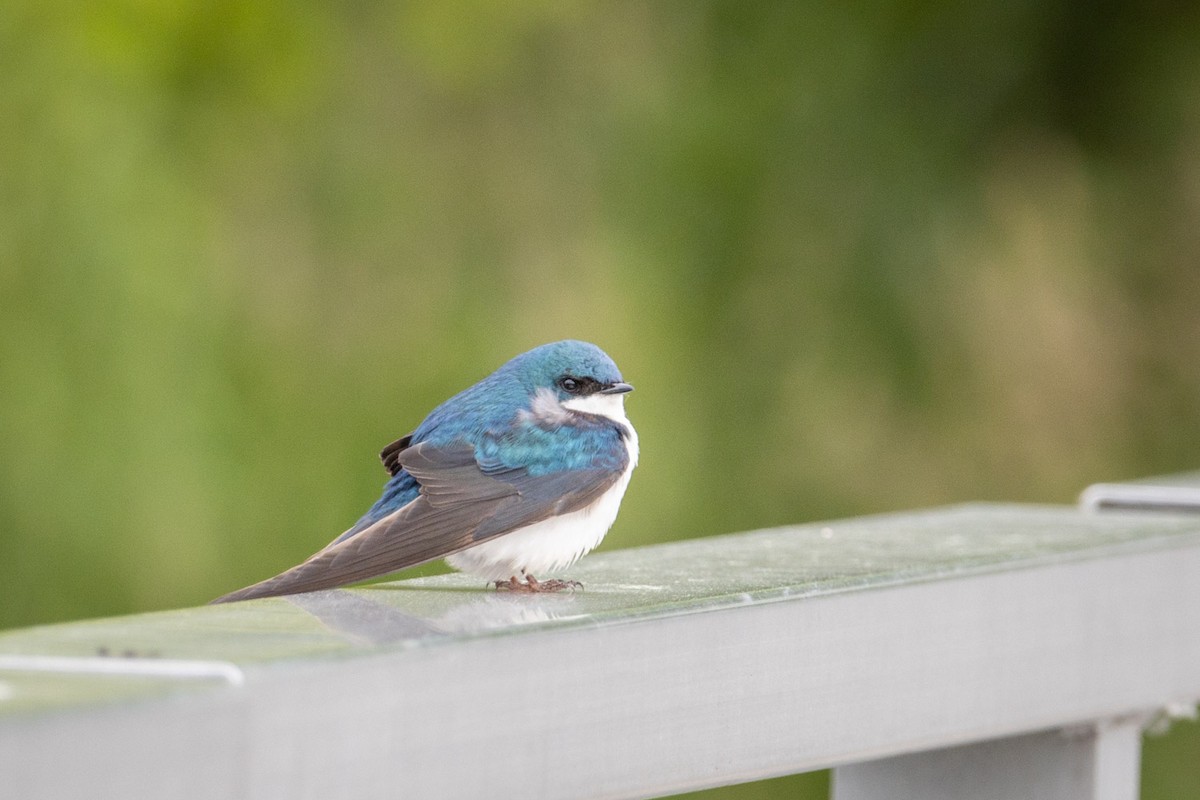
306	577
265	588
249	593
411	535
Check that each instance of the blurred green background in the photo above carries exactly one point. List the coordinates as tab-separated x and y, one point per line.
855	259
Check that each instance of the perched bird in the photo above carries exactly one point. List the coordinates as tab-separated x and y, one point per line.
519	475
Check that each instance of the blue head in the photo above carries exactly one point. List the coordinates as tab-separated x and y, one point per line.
572	372
570	369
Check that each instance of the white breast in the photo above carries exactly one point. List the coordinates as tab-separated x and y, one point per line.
556	543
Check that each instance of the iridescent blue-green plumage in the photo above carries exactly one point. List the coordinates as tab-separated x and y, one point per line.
505	453
483	417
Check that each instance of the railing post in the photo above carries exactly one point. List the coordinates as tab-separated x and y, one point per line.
1093	762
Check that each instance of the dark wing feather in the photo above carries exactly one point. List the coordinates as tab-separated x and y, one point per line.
460	505
390	455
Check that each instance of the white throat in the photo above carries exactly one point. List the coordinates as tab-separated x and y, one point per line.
611	406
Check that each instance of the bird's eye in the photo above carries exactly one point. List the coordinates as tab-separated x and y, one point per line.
570	385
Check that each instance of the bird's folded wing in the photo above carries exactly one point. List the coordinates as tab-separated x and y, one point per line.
461	504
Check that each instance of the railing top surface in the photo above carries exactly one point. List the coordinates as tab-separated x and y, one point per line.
74	664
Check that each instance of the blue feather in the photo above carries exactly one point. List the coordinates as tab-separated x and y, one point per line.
486	415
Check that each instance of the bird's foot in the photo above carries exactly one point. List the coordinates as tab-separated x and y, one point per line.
532	585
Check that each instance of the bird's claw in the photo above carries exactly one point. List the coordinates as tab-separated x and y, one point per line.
532	585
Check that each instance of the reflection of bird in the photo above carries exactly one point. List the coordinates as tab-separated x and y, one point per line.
519	474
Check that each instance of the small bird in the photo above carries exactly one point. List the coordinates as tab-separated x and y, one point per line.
519	475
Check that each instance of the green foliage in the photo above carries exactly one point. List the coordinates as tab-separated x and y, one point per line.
854	259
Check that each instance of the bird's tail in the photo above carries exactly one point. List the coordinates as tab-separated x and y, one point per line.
411	535
307	577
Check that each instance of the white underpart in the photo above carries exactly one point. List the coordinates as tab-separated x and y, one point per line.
558	542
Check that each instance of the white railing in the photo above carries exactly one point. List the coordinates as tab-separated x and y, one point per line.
977	651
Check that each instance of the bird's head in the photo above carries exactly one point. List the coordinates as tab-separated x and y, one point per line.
578	375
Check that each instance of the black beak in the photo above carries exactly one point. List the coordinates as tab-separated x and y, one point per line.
617	388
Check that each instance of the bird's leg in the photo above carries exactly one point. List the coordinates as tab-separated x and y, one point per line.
533	586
